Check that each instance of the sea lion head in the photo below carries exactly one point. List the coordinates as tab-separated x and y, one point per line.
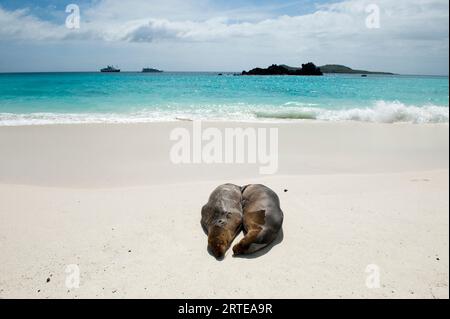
218	239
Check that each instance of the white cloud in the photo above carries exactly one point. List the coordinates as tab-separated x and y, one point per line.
20	24
408	27
142	21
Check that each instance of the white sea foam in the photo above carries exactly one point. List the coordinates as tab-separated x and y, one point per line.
381	112
11	119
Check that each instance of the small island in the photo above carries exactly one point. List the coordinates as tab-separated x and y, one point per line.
308	69
150	70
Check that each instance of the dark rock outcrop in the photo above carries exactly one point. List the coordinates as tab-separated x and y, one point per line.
309	69
306	70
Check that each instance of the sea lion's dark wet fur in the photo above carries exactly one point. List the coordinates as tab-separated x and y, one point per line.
222	218
263	218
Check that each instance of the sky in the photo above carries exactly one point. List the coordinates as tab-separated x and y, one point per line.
402	36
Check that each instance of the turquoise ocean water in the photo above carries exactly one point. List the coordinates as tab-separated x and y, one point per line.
57	98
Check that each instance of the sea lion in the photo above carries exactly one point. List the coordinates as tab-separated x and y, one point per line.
263	219
222	218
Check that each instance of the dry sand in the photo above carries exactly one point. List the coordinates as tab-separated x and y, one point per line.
108	199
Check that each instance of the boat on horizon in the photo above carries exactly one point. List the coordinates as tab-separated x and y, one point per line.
110	69
151	70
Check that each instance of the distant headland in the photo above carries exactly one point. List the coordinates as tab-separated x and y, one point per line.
309	69
342	69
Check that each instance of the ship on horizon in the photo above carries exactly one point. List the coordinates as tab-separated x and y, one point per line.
151	70
110	69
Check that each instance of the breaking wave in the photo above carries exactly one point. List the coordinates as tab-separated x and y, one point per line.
380	112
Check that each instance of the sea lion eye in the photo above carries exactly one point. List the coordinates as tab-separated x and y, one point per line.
229	215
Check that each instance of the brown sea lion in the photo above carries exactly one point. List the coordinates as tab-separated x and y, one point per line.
263	219
222	218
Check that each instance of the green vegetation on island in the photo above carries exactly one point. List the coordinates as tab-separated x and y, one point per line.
342	69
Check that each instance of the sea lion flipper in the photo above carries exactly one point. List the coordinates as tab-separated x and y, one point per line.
243	246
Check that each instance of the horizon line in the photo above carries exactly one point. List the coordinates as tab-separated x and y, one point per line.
197	71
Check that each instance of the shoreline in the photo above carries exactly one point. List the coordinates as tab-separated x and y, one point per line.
232	122
378	112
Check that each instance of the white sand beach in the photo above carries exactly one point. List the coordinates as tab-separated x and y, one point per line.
108	199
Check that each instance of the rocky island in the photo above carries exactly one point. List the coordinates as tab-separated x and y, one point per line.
308	69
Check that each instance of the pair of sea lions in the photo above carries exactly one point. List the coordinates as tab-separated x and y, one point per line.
256	208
